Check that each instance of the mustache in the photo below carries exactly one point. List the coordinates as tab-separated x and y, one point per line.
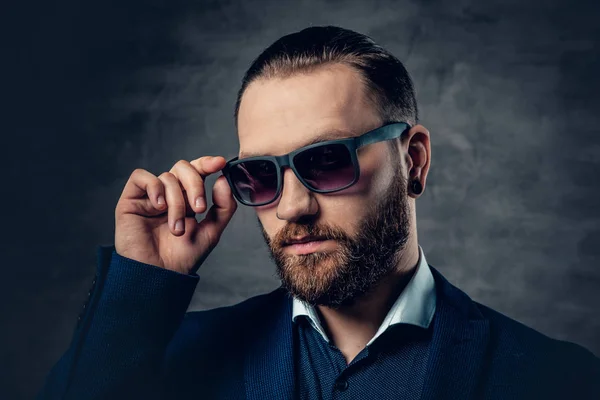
293	230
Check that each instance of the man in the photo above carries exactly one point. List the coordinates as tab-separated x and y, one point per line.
332	159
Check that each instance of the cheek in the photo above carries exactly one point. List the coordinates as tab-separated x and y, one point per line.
369	179
375	171
268	220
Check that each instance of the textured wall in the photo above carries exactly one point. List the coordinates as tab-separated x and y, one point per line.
508	89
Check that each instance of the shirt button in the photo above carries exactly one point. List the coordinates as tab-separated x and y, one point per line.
341	385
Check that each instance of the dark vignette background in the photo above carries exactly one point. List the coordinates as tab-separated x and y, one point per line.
508	90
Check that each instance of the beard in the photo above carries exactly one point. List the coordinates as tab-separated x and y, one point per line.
339	278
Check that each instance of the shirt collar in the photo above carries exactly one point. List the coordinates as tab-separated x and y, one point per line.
415	305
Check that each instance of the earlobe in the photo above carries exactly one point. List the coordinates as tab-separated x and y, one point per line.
416	187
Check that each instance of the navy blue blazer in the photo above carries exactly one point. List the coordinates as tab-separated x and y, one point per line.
136	341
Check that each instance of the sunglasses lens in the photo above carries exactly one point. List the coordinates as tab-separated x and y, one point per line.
255	181
327	167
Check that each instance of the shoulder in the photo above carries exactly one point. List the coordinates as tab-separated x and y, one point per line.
510	333
526	353
251	307
205	335
508	336
521	356
226	321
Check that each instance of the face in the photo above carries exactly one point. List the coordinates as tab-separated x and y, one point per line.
367	224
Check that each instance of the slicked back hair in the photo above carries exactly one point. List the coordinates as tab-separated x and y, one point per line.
388	85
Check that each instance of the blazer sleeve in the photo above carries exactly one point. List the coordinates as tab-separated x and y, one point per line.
118	347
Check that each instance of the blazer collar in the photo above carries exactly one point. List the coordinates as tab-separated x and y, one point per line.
459	342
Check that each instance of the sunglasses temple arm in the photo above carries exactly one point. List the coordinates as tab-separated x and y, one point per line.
387	132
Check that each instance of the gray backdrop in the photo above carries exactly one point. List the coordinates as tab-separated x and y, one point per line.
508	90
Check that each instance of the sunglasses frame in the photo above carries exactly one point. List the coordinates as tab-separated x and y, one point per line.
386	132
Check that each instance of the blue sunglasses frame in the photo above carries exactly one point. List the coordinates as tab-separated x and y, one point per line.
383	133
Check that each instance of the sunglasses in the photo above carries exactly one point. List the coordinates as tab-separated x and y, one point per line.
323	167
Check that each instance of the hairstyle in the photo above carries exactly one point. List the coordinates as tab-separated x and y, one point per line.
388	85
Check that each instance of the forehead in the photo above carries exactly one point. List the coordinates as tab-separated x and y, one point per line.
277	116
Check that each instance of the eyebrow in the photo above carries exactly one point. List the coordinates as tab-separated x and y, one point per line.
330	134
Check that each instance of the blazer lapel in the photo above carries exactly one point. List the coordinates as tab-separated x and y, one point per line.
454	368
269	362
460	338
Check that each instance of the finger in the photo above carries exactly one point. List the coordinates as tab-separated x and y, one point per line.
219	214
175	202
193	184
208	165
146	189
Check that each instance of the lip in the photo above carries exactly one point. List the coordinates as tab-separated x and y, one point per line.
308	247
305	239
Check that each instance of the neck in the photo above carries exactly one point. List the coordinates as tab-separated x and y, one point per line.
351	328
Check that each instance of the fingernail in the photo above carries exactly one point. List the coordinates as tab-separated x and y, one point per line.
179	225
199	202
161	201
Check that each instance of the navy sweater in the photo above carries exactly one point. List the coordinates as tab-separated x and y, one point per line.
136	341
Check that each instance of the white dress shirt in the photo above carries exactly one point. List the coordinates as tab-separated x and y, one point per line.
415	305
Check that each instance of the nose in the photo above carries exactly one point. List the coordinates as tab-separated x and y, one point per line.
296	200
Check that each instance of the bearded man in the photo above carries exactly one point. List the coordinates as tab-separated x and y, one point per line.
332	159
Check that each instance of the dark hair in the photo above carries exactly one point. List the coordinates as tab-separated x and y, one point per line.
389	86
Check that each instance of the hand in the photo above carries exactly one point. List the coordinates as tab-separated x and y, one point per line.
155	219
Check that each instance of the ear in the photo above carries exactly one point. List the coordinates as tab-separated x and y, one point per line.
417	156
